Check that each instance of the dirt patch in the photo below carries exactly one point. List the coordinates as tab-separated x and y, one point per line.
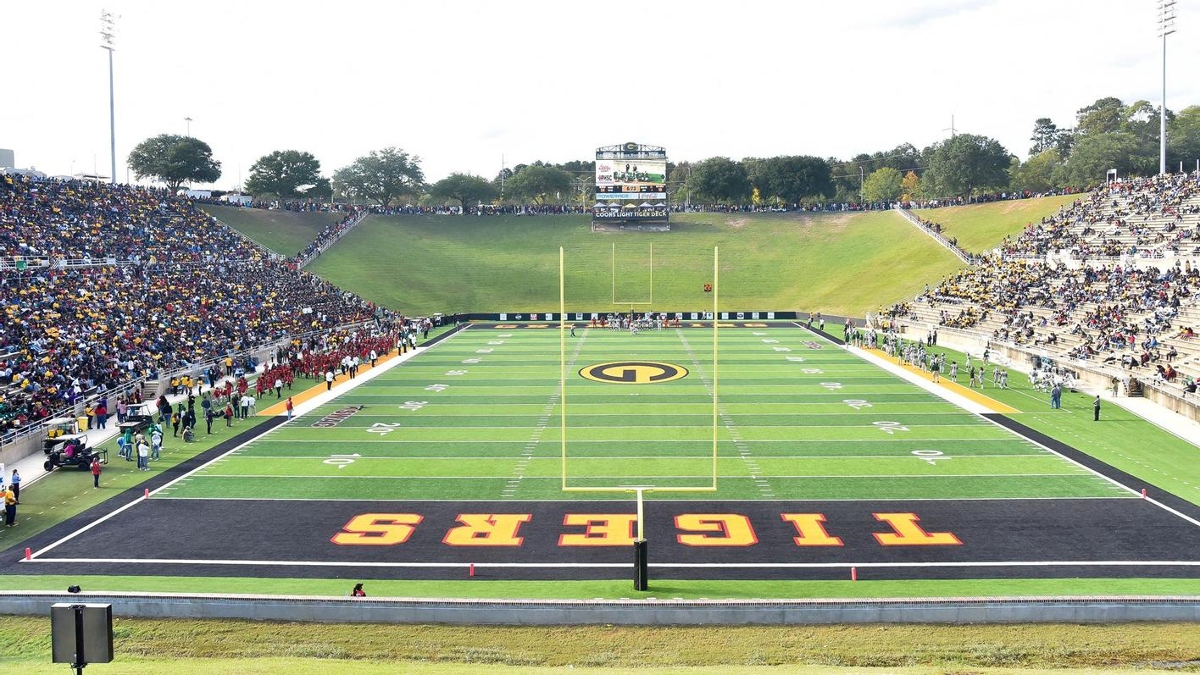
738	222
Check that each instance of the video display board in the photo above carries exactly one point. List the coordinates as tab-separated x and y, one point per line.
631	183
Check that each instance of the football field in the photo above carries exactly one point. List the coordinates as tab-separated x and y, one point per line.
479	417
518	451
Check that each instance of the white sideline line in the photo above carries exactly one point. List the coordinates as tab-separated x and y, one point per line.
570	565
619	500
556	458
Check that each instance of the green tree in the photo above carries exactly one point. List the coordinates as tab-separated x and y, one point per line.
790	179
965	163
1105	116
720	179
174	160
538	183
883	185
382	176
465	189
1183	138
1046	135
287	174
1037	174
1095	154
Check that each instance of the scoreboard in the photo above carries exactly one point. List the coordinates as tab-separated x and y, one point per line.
631	184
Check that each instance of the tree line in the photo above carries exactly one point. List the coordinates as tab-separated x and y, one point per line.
1108	134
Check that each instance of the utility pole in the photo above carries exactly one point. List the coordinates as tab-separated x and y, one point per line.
1166	26
952	130
189	126
108	33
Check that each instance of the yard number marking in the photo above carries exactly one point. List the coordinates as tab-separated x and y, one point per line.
383	428
341	461
890	427
931	456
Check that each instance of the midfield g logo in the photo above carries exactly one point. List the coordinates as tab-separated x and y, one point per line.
633	372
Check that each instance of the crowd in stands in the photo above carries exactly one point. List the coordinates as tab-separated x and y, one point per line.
137	283
1107	311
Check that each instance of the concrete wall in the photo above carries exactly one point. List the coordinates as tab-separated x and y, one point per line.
21	448
623	612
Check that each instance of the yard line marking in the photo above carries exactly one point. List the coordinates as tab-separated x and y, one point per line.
518	472
743	449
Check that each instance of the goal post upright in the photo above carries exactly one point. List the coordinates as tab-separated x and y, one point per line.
562	360
715	366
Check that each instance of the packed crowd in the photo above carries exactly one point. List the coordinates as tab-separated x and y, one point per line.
169	288
1104	311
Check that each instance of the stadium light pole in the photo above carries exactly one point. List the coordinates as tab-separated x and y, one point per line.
1166	26
107	42
189	126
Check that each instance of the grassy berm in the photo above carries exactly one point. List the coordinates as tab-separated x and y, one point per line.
186	647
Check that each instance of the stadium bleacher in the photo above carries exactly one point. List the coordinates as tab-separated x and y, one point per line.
123	283
1111	279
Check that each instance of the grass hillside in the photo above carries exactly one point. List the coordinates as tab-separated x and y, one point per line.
835	263
980	227
284	232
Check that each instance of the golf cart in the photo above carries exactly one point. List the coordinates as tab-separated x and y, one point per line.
139	418
65	446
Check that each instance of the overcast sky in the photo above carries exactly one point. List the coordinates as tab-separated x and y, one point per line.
466	85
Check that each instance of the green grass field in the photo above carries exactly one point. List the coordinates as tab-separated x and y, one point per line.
836	263
793	423
980	227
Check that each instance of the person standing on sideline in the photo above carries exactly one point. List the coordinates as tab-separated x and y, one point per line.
15	482
96	472
209	415
328	379
143	452
10	508
374	356
1056	396
156	439
1096	408
289	408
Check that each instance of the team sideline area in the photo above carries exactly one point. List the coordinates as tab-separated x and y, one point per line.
516	451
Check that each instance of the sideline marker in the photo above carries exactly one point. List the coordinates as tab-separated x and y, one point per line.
1143	493
147	495
28	554
853	574
471	570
